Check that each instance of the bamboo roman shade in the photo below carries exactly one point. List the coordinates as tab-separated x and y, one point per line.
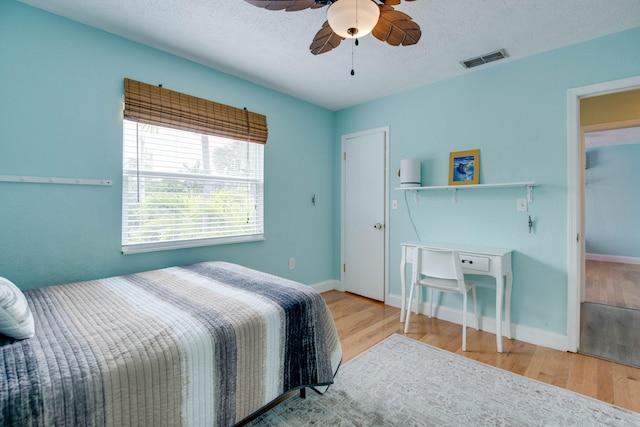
155	105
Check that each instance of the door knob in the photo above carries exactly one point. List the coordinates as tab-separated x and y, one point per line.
377	226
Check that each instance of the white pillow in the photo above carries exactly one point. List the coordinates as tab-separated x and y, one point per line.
16	320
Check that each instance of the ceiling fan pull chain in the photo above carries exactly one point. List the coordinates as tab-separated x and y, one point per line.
355	40
353	73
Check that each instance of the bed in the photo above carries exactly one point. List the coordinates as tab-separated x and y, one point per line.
201	345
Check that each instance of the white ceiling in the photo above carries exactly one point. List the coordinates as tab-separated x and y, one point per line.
271	48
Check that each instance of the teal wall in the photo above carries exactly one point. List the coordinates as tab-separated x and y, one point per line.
612	208
61	86
61	93
515	113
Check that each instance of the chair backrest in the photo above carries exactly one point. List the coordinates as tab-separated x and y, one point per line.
441	267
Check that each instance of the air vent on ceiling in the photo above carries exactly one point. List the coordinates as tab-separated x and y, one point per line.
484	59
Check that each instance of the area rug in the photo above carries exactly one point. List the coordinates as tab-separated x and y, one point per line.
610	333
403	382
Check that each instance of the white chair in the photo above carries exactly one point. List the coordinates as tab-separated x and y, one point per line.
440	269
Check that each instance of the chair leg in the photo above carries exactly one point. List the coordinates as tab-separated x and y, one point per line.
464	322
430	302
406	321
475	307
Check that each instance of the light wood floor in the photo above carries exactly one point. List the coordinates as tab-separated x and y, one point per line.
362	323
612	283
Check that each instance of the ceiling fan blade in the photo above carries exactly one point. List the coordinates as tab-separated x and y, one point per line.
287	5
396	28
325	40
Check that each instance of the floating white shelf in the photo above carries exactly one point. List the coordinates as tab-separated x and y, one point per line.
454	188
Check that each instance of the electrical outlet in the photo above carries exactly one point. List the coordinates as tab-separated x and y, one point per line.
292	263
522	205
394	204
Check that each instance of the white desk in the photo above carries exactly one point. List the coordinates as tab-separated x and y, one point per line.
493	262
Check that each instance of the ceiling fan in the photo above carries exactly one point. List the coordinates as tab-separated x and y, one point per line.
353	19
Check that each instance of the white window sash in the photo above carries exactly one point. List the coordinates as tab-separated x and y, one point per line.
158	215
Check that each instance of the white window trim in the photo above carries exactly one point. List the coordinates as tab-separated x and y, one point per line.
193	243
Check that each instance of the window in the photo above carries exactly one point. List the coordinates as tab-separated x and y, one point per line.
184	188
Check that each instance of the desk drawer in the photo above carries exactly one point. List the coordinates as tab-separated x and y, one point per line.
474	262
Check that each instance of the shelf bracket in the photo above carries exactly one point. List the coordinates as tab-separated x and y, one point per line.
530	193
454	195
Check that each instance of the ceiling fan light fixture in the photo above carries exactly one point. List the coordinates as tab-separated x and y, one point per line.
353	18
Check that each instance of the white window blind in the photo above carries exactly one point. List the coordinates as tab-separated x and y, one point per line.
185	189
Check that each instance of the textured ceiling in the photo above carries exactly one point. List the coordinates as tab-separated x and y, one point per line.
271	48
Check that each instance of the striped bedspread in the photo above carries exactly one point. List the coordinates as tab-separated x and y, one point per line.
201	345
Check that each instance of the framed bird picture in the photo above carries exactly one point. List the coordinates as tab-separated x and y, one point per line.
464	167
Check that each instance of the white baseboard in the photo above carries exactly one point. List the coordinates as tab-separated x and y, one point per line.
488	324
329	285
612	258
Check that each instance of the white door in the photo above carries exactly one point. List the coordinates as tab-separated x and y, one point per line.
363	202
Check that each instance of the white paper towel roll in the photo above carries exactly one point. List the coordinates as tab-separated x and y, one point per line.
409	173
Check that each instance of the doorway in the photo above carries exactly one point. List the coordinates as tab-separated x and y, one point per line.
364	234
576	200
610	313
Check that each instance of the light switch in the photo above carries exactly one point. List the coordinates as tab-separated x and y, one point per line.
522	205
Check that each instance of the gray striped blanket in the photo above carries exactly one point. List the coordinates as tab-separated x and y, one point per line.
201	345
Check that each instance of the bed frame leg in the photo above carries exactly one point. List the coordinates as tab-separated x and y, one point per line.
303	393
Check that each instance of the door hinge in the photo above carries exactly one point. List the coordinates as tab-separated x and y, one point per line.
344	268
344	155
578	238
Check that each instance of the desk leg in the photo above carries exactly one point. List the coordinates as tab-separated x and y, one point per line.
403	263
507	305
499	292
